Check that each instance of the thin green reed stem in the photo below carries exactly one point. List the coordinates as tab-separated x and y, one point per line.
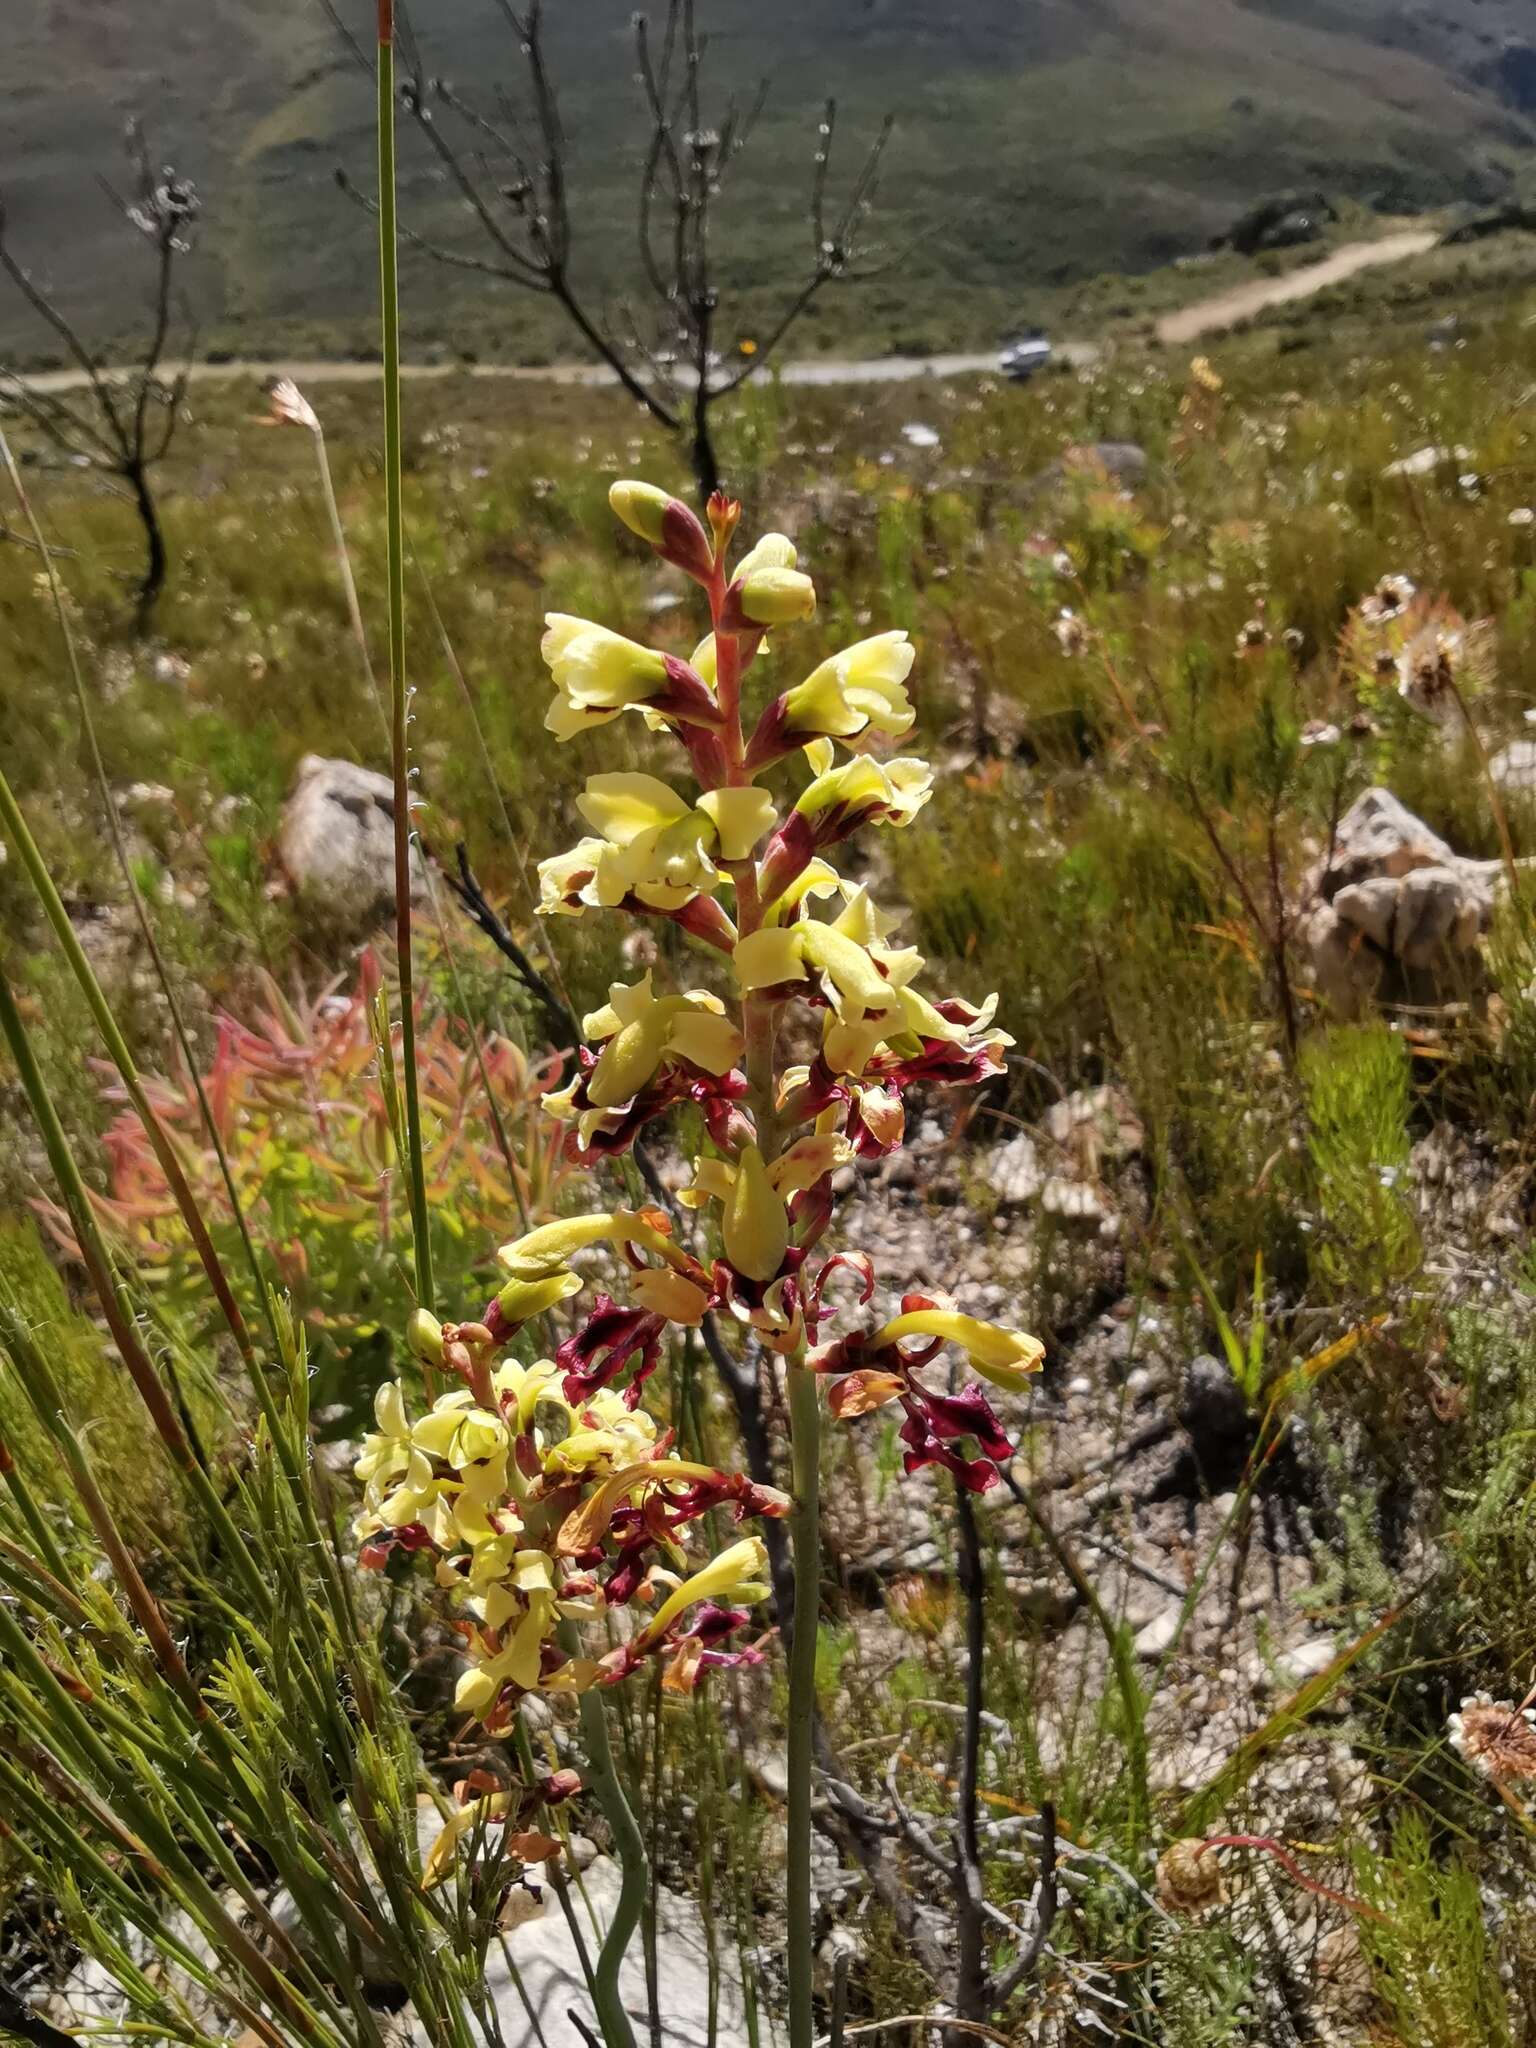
608	1790
389	309
338	1590
115	1306
179	1189
805	1535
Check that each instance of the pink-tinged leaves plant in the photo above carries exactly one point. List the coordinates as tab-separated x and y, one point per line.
295	1095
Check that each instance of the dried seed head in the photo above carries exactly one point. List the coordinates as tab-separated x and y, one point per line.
1393	594
1189	1878
290	407
1071	634
1496	1738
1253	636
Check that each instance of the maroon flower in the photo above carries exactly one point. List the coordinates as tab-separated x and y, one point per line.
600	1350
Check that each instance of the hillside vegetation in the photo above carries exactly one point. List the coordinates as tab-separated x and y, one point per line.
1037	145
1242	1631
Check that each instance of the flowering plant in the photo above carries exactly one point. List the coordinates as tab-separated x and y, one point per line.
544	1491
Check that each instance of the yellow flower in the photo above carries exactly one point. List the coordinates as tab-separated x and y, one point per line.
755	1222
740	817
597	673
859	977
863	788
642	508
651	848
738	1573
1005	1357
767	589
642	1030
857	691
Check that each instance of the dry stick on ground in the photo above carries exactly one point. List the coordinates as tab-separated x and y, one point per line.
19	2018
510	172
122	425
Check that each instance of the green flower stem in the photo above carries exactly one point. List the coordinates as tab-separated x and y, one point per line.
399	695
603	1779
805	1534
758	1032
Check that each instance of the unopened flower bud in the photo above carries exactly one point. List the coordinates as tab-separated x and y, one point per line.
666	522
424	1335
767	589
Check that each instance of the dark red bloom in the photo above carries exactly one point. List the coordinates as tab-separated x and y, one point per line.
926	1447
600	1350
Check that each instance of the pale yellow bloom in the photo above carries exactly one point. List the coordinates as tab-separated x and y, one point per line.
643	1029
857	691
597	673
1005	1357
740	816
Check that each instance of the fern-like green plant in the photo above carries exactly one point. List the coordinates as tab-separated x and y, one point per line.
1357	1089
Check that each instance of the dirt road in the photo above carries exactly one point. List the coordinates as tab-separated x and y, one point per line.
1226	309
1205	316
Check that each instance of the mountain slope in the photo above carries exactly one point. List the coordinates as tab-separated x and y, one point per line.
1039	140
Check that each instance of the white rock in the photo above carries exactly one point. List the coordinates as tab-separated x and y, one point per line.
550	1979
337	840
1153	1641
1014	1170
1073	1201
1295	1666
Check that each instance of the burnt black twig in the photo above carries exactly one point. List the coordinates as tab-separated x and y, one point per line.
471	898
126	427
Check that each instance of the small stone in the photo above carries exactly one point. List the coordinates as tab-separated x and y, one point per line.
1014	1170
1073	1201
1153	1641
1295	1666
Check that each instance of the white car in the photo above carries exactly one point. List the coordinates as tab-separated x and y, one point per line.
1021	358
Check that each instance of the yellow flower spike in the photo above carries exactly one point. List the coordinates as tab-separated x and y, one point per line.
755	1227
702	660
741	817
738	1573
1005	1357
